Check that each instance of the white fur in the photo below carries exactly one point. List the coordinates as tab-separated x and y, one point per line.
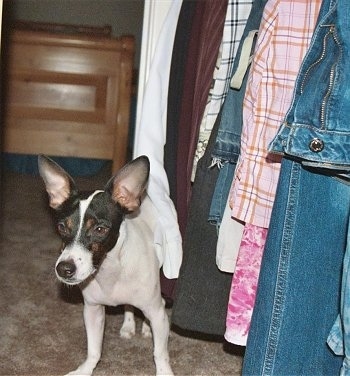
81	257
128	275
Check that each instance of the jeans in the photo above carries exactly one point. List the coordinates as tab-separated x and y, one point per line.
229	140
339	337
299	288
299	285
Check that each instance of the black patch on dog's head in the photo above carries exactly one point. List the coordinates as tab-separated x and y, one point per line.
98	230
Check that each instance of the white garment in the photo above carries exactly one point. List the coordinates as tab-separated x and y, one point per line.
150	139
229	241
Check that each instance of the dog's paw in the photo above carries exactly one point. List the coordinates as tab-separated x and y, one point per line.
165	371
84	369
78	373
146	330
127	330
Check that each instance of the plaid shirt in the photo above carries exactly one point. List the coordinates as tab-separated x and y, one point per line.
235	21
284	36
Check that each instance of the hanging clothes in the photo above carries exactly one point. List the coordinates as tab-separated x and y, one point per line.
180	52
150	139
235	21
339	336
298	294
201	290
175	91
321	139
244	284
229	239
227	145
306	242
204	43
281	45
282	42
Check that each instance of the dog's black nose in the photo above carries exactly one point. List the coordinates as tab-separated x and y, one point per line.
66	269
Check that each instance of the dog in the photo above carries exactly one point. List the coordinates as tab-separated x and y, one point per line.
108	250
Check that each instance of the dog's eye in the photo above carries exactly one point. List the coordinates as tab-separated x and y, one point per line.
101	230
62	229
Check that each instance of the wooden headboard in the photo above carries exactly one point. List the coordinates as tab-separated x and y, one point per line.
68	94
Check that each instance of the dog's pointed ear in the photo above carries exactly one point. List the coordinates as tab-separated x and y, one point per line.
129	184
59	184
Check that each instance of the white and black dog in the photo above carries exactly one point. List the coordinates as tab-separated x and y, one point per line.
108	250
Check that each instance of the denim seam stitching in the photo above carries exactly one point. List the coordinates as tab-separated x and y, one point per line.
282	274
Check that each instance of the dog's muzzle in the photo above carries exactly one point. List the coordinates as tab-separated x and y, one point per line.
66	269
74	265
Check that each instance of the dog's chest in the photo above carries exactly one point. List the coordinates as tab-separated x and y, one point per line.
112	285
129	273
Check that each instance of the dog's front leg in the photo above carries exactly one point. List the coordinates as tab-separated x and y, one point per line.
160	328
94	319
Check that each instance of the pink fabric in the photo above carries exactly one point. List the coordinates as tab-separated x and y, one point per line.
283	39
244	284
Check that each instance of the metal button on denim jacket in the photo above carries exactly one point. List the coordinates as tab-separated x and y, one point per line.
316	129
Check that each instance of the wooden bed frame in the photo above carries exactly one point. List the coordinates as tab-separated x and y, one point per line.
67	94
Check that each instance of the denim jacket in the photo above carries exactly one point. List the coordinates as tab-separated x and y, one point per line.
316	129
228	141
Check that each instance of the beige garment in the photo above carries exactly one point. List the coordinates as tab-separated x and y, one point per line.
229	240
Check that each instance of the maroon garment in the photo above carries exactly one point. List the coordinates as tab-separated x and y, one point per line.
204	44
197	41
176	84
176	80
